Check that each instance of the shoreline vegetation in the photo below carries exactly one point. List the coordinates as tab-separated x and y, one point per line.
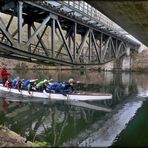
9	138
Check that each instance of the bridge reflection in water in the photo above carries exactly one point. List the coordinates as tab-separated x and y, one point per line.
65	123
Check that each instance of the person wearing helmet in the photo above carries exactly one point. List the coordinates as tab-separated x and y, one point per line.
62	87
67	87
14	81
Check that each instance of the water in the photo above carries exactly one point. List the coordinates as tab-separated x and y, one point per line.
121	121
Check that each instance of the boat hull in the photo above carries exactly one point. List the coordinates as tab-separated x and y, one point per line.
80	96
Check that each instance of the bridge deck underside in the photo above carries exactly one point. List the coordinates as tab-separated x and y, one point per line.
40	33
130	15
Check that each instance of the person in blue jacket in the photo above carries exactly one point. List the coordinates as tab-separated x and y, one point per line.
15	81
61	87
29	85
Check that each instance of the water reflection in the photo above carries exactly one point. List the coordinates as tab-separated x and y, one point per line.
105	136
135	134
35	120
63	123
5	104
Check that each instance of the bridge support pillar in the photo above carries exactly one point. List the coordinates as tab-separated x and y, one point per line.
117	65
123	63
127	61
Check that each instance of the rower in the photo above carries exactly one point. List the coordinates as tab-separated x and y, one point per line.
30	85
42	85
15	81
62	87
8	83
19	84
67	87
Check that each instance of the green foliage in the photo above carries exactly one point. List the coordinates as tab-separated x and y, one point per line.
42	144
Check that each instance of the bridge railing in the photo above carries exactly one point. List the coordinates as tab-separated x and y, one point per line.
92	13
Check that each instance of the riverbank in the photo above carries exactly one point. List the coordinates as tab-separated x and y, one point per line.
9	138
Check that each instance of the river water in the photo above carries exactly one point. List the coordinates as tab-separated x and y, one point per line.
65	123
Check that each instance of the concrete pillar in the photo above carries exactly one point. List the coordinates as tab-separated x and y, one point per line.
126	78
108	77
126	64
109	66
122	64
113	65
127	61
118	64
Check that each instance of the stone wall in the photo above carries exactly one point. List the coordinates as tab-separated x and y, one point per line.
12	64
140	61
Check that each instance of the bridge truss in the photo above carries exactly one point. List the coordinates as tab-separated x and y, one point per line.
39	32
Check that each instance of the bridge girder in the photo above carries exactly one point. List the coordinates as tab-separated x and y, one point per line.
129	14
71	42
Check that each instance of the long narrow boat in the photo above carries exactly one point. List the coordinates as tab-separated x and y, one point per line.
79	96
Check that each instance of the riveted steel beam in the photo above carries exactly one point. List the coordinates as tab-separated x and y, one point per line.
58	36
5	32
40	39
20	21
39	29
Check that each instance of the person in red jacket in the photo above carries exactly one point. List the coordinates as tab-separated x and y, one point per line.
4	75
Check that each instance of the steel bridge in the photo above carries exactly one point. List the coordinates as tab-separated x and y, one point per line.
59	33
129	14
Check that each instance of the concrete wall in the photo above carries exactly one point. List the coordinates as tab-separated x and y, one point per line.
109	66
126	63
123	64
